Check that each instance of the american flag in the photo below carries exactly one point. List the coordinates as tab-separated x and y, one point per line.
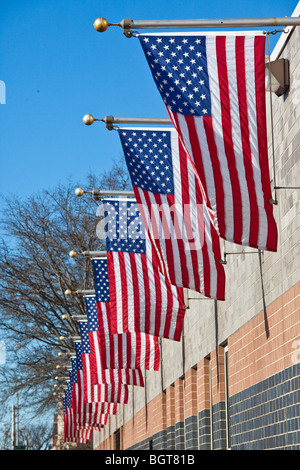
93	393
171	203
78	415
90	413
141	297
73	431
213	87
134	350
93	373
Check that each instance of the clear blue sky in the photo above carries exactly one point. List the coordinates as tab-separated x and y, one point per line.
57	68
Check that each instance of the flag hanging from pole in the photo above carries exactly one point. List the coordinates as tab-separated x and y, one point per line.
86	412
173	209
133	350
213	87
73	430
83	415
94	374
111	393
141	297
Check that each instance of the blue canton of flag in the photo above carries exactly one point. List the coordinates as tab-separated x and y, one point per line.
66	404
180	60
101	282
149	159
124	227
67	399
73	371
91	312
84	346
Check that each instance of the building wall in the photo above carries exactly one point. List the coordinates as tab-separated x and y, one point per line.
233	379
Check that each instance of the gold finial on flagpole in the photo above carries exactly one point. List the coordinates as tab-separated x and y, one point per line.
88	119
101	24
79	192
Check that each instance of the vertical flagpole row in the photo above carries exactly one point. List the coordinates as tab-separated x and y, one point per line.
272	128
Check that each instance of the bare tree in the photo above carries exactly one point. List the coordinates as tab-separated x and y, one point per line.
36	437
35	271
117	177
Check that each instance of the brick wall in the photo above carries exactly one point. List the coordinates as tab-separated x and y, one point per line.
263	392
264	369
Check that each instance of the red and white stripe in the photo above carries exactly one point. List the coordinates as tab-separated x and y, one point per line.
85	407
111	393
93	374
141	297
76	431
133	350
91	419
229	148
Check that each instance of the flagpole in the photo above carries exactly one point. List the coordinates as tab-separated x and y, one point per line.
90	254
263	294
81	292
97	193
236	253
88	120
128	25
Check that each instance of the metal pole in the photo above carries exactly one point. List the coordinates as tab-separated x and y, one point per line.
17	419
263	294
88	119
98	193
109	192
95	254
111	120
136	120
273	201
13	428
85	292
128	25
81	292
210	23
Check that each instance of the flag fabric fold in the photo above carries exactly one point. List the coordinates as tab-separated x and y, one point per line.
213	87
94	374
132	350
82	408
128	353
173	209
74	430
141	297
111	393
